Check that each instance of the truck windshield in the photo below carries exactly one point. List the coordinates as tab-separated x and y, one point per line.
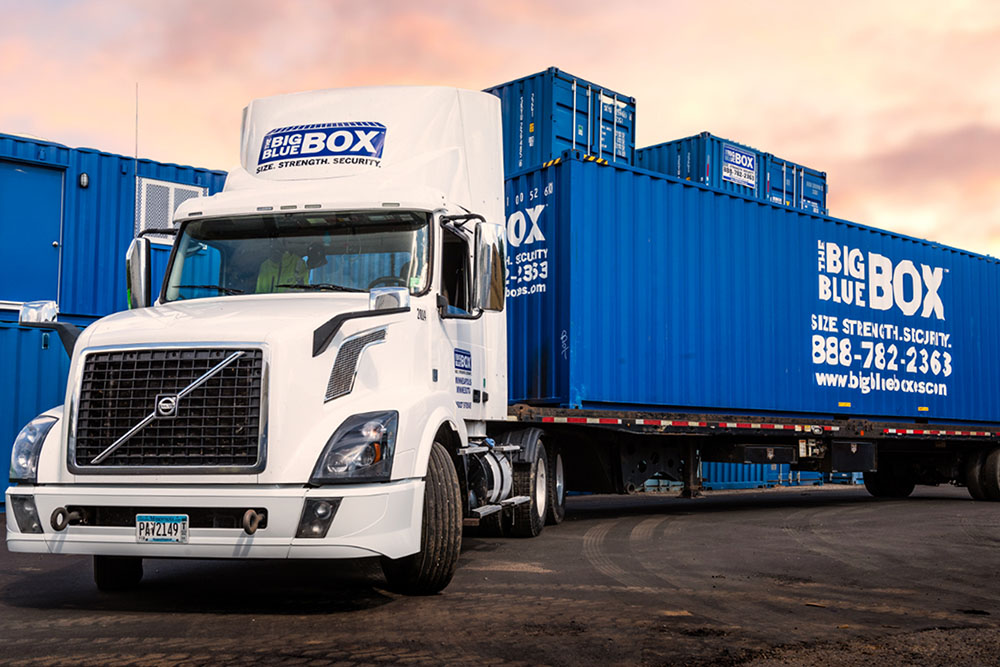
300	252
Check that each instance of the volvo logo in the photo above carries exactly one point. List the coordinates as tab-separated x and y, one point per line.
166	405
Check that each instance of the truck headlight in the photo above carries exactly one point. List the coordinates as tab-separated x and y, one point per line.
360	450
27	446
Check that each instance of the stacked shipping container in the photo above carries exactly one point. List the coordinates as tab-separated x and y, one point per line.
552	111
732	167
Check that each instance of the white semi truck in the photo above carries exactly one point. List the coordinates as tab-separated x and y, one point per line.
315	377
323	373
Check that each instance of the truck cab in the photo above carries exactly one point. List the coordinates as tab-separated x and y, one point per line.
314	377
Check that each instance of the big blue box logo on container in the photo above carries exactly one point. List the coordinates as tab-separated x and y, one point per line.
739	166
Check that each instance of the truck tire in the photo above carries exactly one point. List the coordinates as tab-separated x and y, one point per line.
888	482
117	573
990	475
557	488
531	479
973	471
429	570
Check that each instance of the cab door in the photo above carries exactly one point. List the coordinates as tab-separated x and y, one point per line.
464	359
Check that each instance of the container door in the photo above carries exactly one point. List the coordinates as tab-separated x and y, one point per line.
780	182
813	192
31	220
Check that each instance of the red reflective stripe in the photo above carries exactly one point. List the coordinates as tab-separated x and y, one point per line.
576	420
609	421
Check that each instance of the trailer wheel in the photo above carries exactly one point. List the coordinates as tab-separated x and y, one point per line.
531	479
117	573
990	475
557	488
429	570
889	482
973	470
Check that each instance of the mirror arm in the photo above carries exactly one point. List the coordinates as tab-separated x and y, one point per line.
68	333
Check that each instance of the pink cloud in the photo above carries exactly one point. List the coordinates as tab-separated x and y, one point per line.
852	88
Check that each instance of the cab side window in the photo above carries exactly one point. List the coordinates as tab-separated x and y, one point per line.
455	273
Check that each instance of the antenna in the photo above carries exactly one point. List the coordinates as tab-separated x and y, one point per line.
137	211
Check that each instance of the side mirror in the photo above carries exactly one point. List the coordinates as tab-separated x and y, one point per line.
491	267
38	312
387	298
137	263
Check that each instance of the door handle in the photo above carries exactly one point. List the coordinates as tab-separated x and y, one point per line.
55	244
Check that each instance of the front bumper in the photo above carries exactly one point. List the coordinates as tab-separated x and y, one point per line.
372	520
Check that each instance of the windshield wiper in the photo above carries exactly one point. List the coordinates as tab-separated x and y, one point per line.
325	287
224	290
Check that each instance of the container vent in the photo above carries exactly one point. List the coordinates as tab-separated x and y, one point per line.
156	201
346	365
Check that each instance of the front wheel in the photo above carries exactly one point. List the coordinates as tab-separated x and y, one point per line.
429	570
117	573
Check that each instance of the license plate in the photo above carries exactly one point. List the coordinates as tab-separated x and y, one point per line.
161	528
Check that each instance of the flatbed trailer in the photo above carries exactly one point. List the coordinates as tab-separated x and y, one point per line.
617	451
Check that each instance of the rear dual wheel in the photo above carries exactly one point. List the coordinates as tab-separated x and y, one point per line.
557	488
973	472
982	475
531	479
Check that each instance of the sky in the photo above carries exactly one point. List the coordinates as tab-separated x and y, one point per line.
898	101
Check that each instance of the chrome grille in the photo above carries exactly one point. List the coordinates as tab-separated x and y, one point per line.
217	425
342	376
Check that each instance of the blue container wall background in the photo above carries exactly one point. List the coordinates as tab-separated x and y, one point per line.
629	289
739	169
81	204
97	221
33	371
552	111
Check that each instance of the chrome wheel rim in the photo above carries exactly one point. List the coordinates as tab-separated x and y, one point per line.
560	480
541	488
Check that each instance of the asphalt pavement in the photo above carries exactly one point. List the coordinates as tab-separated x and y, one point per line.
794	576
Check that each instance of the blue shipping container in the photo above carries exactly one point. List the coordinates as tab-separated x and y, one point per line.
552	111
733	167
793	185
33	372
627	289
82	204
717	476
